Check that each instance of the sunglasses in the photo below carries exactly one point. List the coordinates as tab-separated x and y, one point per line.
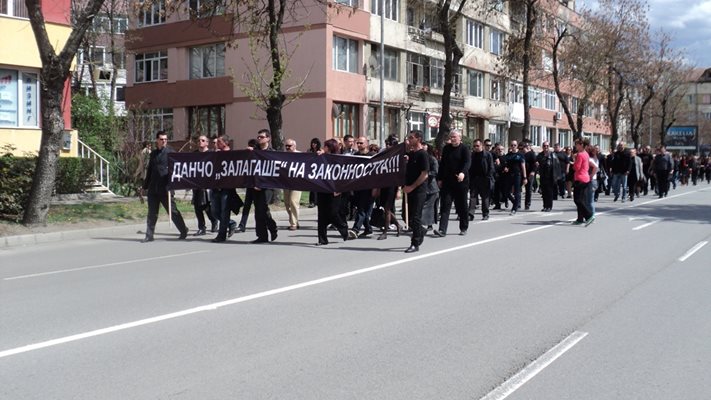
261	137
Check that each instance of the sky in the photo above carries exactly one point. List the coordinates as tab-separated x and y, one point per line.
689	23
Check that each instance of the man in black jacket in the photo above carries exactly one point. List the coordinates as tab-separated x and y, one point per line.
156	185
263	221
453	181
548	166
481	179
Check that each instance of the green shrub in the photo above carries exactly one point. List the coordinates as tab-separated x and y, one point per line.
16	173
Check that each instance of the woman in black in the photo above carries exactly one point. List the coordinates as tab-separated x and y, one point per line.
315	147
386	199
328	206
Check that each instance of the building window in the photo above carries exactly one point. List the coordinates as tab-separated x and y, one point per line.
345	54
496	133
418	70
549	103
564	137
150	121
436	73
349	3
14	8
206	120
535	135
497	42
475	34
535	97
151	67
391	65
416	122
390	8
547	62
105	24
497	5
152	13
19	101
391	122
346	120
206	8
476	83
207	61
517	92
496	92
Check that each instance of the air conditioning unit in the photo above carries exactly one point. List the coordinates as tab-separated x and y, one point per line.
558	116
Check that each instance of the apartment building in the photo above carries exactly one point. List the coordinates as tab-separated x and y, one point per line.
20	67
188	77
697	104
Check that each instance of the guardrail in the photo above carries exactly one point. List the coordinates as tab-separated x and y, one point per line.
102	172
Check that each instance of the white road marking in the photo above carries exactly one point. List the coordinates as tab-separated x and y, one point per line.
215	306
646	225
693	250
548	214
531	370
102	265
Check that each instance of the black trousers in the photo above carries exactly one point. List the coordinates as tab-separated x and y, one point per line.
364	202
580	197
458	193
662	181
548	191
415	204
224	203
480	188
529	190
200	211
512	190
263	221
248	200
154	201
329	207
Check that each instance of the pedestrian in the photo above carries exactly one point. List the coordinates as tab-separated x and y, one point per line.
263	222
581	183
225	201
386	199
529	155
663	168
155	187
514	176
292	198
415	188
548	166
362	199
430	209
453	182
314	147
201	197
564	162
329	205
635	178
620	171
248	196
481	179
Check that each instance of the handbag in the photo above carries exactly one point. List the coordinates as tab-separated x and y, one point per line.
377	217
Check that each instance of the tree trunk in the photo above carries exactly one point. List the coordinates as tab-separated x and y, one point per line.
452	55
274	118
52	135
531	19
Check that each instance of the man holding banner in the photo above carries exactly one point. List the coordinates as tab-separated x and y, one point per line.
417	171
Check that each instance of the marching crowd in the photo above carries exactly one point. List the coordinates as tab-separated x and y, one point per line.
482	177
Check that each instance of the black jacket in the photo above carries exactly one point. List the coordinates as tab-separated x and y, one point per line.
158	175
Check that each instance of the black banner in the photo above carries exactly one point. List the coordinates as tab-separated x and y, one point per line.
286	170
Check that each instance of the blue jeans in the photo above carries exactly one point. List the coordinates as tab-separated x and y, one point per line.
617	180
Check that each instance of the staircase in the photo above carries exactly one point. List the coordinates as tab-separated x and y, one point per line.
102	173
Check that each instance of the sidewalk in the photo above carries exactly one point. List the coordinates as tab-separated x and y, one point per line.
137	229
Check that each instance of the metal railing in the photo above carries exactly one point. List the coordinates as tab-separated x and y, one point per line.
102	171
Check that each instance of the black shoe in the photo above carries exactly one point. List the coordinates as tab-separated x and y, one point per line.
312	205
412	249
321	243
147	239
257	241
200	232
183	235
513	212
463	233
616	197
527	208
485	218
213	228
231	228
219	239
240	228
471	217
274	235
439	233
383	236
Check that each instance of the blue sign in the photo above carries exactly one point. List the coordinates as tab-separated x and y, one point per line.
682	138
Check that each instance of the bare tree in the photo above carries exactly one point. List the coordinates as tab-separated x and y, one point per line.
56	69
670	105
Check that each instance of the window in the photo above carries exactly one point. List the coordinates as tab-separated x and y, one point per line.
457	80
476	83
390	7
349	3
706	99
549	103
475	34
14	8
436	73
575	103
154	120
207	120
416	122
418	70
497	5
535	135
547	62
104	24
517	92
497	42
152	13
152	67
391	122
346	122
19	102
496	92
391	65
207	61
564	137
496	133
206	8
535	97
345	54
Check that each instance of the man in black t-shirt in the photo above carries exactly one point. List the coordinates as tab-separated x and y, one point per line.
418	165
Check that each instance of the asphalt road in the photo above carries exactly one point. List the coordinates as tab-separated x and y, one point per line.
528	307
